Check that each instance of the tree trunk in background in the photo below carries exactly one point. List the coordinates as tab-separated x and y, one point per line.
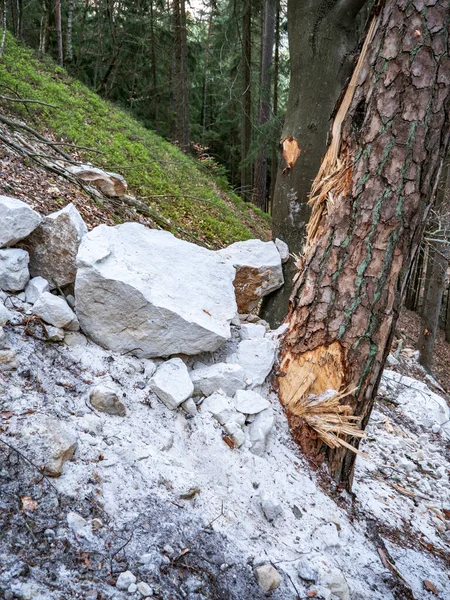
59	32
246	123
69	43
2	43
276	74
268	38
434	288
447	318
430	252
204	109
370	201
181	96
20	19
43	32
322	43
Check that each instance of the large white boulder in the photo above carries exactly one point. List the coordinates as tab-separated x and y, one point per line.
17	220
171	383
145	292
221	376
14	273
53	246
258	271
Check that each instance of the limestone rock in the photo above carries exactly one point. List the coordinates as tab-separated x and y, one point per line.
110	184
334	580
267	577
251	331
144	291
48	443
124	580
55	334
224	376
171	383
220	406
5	314
53	246
189	407
259	429
249	402
8	360
17	220
35	287
14	274
258	271
271	507
235	432
144	589
256	357
106	400
283	250
54	310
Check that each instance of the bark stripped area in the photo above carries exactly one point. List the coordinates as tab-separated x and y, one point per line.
393	138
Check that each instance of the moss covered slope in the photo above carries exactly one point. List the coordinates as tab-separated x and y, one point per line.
179	187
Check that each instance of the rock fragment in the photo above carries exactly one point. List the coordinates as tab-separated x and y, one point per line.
249	402
17	220
267	577
224	376
256	357
53	246
171	383
14	273
250	331
271	507
258	271
105	399
55	311
124	580
5	314
35	288
259	429
283	249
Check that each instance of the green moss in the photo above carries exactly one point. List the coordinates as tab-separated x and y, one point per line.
179	187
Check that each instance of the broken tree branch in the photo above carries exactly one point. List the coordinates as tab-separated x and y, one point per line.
28	101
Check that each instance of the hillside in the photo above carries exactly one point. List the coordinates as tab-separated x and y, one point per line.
192	194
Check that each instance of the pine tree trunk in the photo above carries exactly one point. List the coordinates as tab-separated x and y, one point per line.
447	318
3	41
246	118
181	97
427	281
268	38
322	43
69	43
369	204
59	32
276	74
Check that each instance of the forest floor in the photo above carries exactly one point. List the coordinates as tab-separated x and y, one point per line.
408	326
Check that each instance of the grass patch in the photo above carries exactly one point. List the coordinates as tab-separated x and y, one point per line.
186	192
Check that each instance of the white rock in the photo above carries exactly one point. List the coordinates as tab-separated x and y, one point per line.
250	331
4	342
124	580
189	407
111	184
306	572
271	506
76	522
55	334
17	220
5	314
249	402
171	383
256	357
14	274
235	432
259	429
220	406
54	310
333	579
105	399
149	368
267	577
35	287
224	376
283	249
258	271
144	291
53	246
132	589
144	589
8	360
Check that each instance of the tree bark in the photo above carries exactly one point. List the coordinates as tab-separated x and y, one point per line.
268	38
322	42
181	95
69	43
246	118
369	201
276	74
59	37
447	318
2	43
415	280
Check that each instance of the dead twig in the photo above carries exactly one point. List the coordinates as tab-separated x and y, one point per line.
27	101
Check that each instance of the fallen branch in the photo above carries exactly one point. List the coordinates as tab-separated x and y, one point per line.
26	101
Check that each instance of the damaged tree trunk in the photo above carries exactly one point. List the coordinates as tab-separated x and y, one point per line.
369	203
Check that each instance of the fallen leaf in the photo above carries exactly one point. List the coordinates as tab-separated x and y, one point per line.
228	441
311	593
28	503
430	587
